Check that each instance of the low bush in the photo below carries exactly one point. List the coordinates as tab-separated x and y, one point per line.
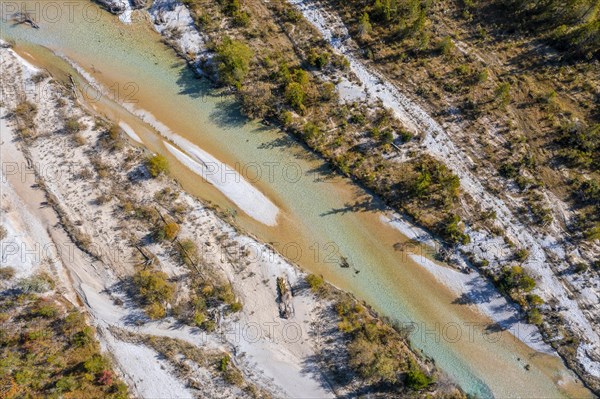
72	125
417	379
165	231
7	273
37	283
315	282
514	281
157	165
154	291
187	251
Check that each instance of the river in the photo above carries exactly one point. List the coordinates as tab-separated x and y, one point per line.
322	216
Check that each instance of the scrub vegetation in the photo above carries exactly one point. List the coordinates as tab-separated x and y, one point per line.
534	87
48	350
377	351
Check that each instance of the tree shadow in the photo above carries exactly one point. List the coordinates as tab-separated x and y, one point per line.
228	114
190	83
369	204
476	294
283	141
323	173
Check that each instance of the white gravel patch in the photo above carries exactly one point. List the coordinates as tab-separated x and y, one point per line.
227	180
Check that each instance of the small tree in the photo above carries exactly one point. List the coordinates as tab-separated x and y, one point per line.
416	379
233	60
157	165
154	291
365	26
295	95
482	76
503	94
447	46
315	282
166	231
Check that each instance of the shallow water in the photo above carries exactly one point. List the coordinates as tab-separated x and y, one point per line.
323	216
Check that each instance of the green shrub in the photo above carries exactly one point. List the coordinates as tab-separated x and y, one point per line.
38	283
224	363
46	311
522	254
388	137
233	61
453	230
534	300
66	384
593	233
225	294
358	118
83	338
319	60
165	231
187	251
405	136
295	96
534	316
328	92
95	364
241	18
154	291
153	286
286	118
199	318
365	25
502	94
514	279
417	379
315	282
311	131
157	165
447	46
582	145
482	76
209	325
155	310
509	170
581	267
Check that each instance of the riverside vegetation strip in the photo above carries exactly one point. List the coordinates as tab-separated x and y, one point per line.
165	273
